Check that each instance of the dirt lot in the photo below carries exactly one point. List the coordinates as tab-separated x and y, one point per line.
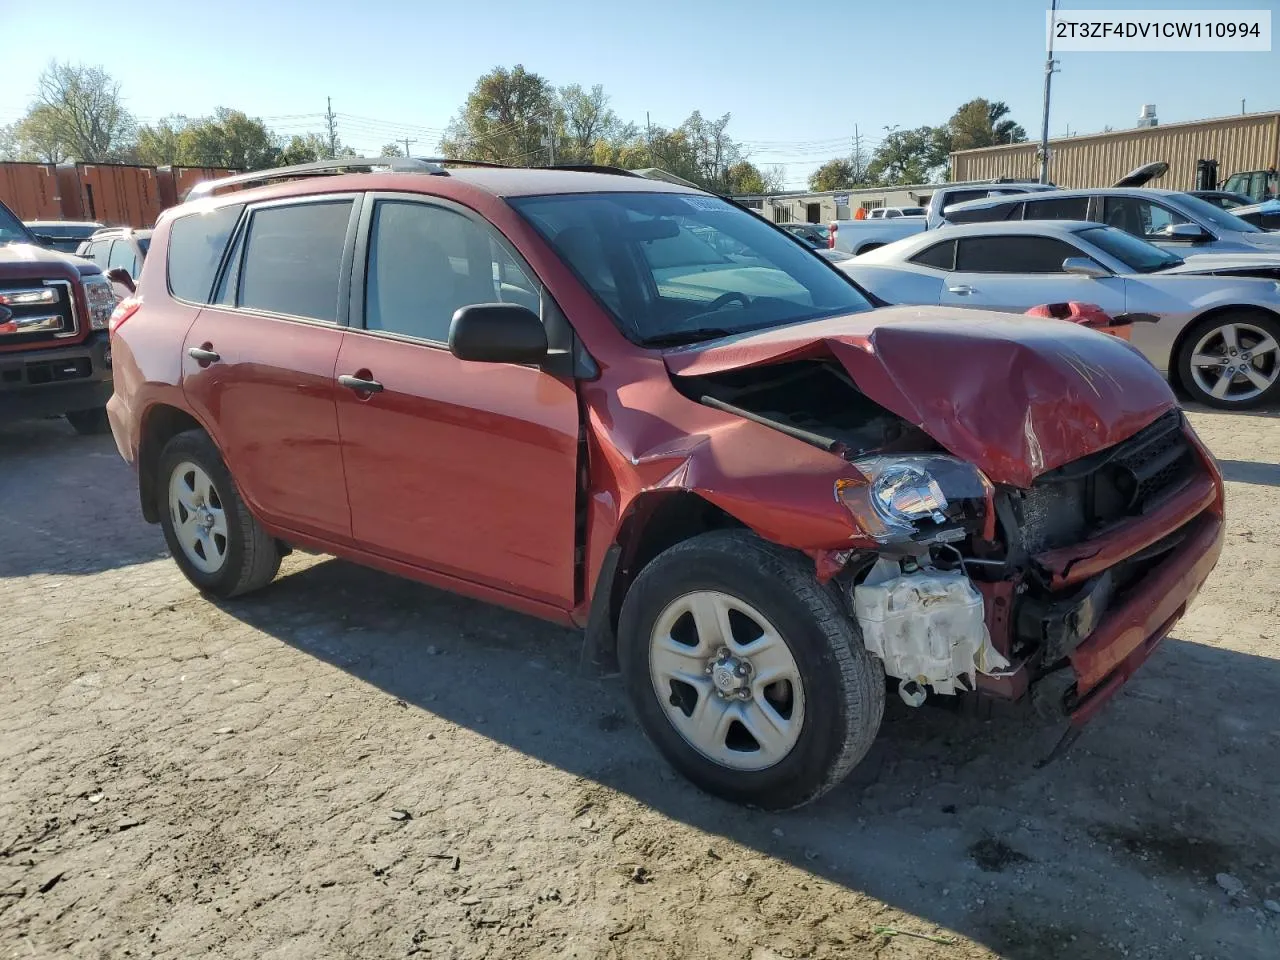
351	765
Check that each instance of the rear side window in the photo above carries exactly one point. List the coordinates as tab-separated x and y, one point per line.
992	214
941	256
1057	208
122	256
196	245
1012	254
292	259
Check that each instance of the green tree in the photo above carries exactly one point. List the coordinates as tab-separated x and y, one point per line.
77	114
585	119
506	119
837	174
909	156
982	123
161	144
8	142
40	137
230	138
391	150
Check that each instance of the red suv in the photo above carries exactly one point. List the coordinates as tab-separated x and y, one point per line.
636	408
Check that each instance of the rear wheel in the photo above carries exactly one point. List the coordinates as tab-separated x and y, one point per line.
1232	361
215	540
89	422
746	673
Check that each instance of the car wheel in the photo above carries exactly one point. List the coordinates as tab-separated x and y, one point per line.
868	248
1232	361
746	673
89	422
215	540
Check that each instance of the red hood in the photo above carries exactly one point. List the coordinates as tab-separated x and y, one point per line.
1016	396
19	261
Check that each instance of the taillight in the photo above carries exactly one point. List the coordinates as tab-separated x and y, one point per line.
831	235
125	309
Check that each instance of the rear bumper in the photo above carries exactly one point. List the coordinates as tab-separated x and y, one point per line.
51	382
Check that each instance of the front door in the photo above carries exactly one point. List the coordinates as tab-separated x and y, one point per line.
1018	272
258	365
468	469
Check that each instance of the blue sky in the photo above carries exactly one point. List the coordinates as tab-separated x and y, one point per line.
797	78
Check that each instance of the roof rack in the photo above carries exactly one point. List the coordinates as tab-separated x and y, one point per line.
317	169
592	168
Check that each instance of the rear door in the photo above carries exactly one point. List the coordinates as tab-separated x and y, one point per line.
1020	271
468	469
258	364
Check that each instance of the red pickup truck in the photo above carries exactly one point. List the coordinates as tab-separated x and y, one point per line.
55	359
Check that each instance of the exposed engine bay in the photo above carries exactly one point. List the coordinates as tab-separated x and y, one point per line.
949	543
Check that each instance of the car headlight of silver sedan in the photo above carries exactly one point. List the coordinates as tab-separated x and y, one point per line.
102	300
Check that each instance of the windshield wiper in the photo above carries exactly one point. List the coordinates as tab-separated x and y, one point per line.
677	337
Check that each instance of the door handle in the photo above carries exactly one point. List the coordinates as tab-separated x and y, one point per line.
203	356
961	289
359	384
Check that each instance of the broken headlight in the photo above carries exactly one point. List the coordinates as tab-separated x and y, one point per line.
101	297
899	498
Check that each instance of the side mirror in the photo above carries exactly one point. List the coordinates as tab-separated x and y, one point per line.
1191	232
497	333
1084	267
121	276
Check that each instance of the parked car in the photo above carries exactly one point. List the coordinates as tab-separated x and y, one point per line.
1222	199
1168	218
54	356
64	236
1214	333
758	494
122	247
815	234
892	213
1264	215
949	195
1257	185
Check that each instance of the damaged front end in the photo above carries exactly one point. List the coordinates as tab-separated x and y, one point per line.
1050	560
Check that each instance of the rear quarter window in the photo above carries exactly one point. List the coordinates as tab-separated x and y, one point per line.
941	256
197	243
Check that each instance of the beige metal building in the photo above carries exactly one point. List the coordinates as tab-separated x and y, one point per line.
1243	142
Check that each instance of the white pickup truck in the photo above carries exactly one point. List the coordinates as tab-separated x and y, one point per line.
861	236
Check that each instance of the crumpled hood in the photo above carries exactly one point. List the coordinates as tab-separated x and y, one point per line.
21	260
1016	396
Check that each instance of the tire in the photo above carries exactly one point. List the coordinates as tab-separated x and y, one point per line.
868	248
247	557
840	702
89	423
1260	385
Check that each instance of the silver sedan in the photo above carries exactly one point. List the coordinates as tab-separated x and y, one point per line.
1210	322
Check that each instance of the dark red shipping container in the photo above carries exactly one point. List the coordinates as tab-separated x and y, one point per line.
115	194
30	190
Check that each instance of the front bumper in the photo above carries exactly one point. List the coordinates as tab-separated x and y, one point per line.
50	382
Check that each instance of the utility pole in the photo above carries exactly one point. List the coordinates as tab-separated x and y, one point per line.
333	130
648	138
407	141
1049	66
1242	106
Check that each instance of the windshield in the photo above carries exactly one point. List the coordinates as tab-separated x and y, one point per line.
1207	213
11	228
676	268
1134	252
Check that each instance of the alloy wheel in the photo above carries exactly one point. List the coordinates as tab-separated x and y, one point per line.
727	680
1235	362
199	521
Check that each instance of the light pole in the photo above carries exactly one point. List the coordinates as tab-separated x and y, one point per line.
1049	66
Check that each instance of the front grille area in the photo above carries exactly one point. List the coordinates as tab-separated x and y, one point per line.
1080	500
36	311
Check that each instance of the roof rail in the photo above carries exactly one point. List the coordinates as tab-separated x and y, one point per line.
317	169
592	168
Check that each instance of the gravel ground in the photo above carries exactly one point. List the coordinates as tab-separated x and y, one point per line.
350	765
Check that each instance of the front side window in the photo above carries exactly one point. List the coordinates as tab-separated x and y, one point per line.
1134	252
1012	254
292	259
1139	216
427	261
677	268
1207	213
197	243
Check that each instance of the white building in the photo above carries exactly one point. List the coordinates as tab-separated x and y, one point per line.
810	207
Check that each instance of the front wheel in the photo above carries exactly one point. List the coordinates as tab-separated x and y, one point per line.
746	673
213	537
1232	361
